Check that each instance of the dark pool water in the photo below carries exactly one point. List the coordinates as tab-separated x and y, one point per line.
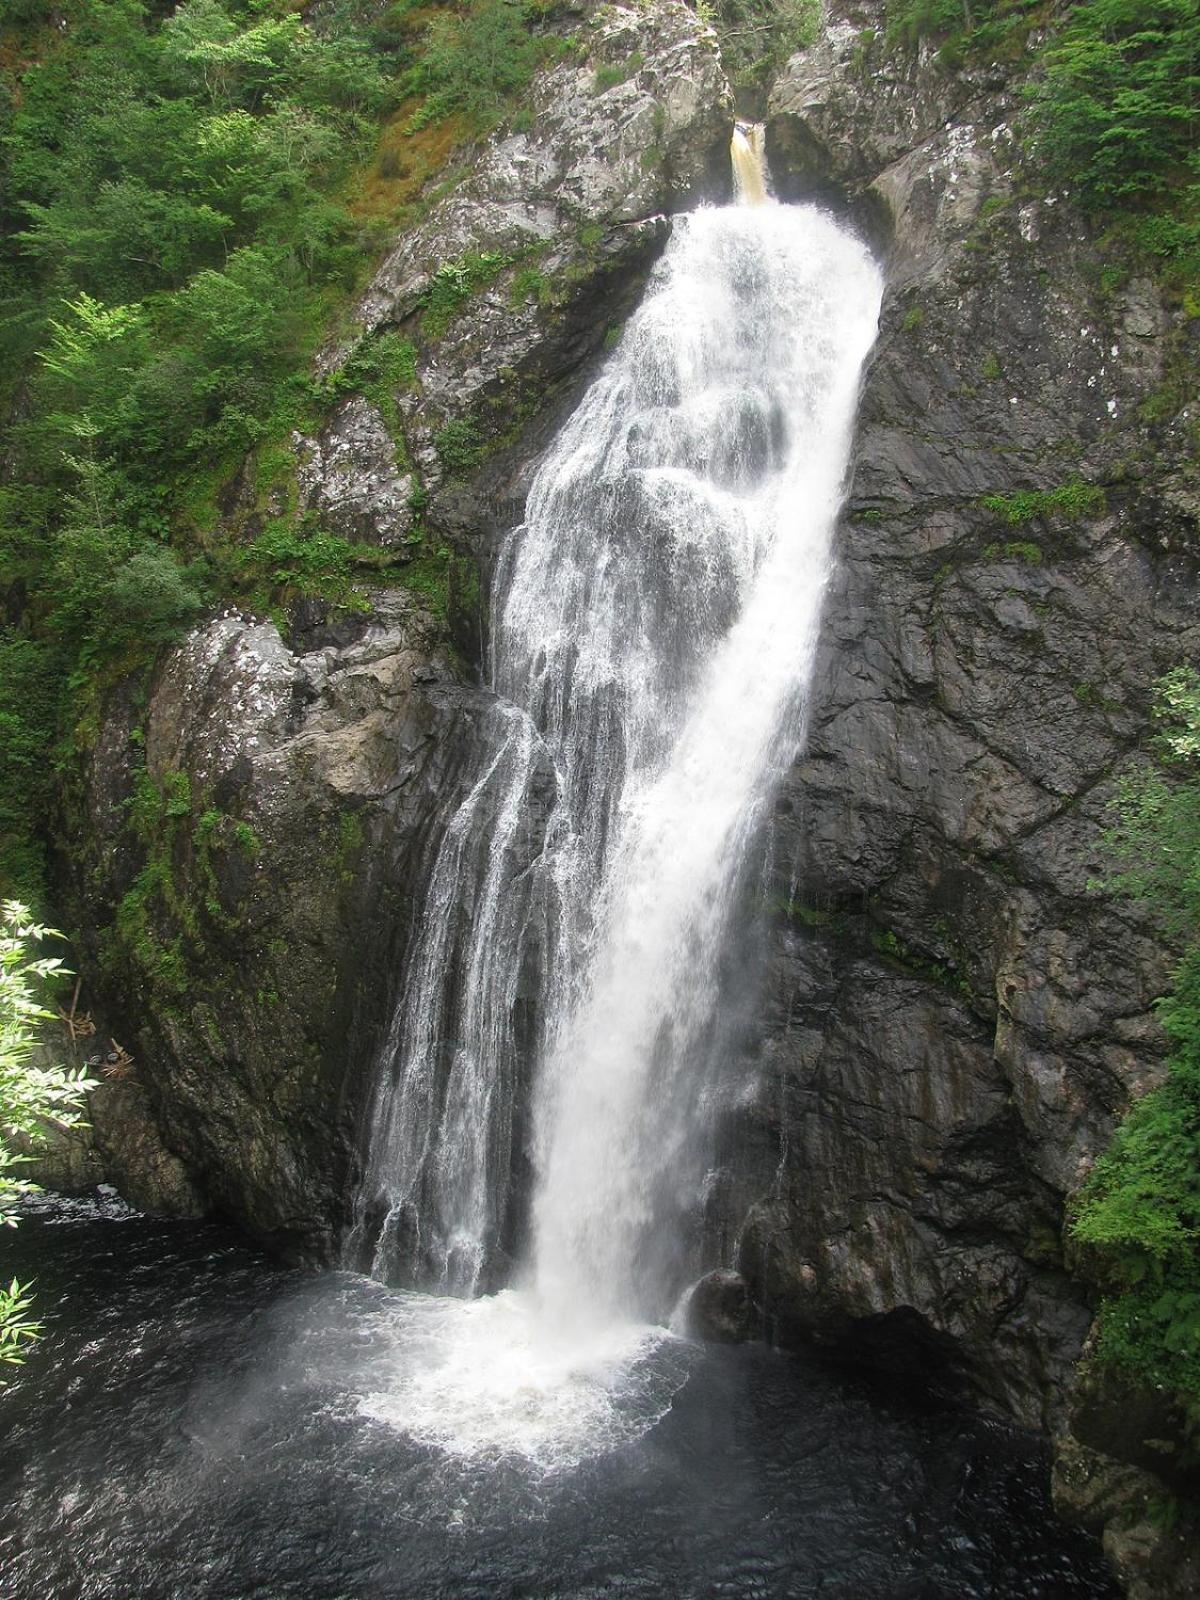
192	1427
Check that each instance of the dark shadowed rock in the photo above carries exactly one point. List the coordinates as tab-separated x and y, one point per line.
719	1308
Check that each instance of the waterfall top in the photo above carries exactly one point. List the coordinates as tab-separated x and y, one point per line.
747	151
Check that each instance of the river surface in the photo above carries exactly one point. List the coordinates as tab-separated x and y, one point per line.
200	1422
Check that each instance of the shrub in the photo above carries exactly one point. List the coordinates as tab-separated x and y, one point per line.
1139	1213
475	62
1075	499
31	1096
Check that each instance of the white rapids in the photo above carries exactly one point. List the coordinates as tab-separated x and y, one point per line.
656	620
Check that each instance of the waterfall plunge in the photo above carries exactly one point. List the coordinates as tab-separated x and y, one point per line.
655	625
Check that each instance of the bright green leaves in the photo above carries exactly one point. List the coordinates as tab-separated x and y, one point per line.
1154	844
32	1094
1116	117
1139	1213
1119	104
17	1331
475	61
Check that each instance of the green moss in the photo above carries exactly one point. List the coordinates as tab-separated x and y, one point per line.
1075	500
162	923
1015	550
1088	694
1163	405
889	944
454	284
380	368
990	367
351	838
609	76
914	317
444	579
809	916
531	283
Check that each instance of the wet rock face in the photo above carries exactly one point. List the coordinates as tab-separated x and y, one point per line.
255	833
720	1310
955	1017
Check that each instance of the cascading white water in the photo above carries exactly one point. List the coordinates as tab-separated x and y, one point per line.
655	625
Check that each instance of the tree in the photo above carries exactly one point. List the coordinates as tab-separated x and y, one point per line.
33	1097
1139	1213
1118	105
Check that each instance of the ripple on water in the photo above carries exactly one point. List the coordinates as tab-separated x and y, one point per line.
201	1425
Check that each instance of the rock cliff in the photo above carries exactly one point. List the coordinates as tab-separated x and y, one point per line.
954	1009
955	1016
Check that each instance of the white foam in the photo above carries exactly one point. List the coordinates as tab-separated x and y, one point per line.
485	1379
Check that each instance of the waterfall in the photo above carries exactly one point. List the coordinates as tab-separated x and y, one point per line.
655	623
748	156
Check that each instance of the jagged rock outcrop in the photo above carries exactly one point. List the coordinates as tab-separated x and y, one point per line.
250	836
557	222
1120	1472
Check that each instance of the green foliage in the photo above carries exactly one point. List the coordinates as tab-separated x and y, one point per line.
454	283
985	30
175	904
17	1331
459	445
1139	1213
1113	103
1016	550
890	945
297	558
442	579
172	239
1118	106
610	75
990	367
531	283
1075	499
1117	114
757	36
475	60
29	691
32	1097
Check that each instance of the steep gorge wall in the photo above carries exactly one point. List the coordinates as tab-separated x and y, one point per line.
956	1017
955	1010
